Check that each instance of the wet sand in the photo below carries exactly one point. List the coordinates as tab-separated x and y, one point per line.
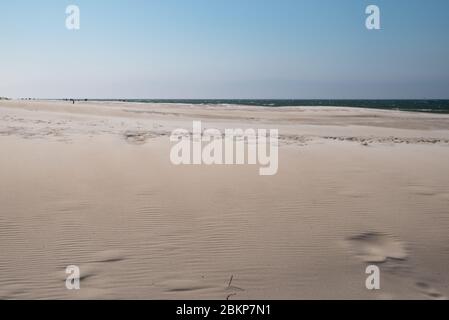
92	185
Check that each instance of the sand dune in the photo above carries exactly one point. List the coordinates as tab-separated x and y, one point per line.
91	184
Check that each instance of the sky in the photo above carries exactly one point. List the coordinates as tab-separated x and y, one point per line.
225	49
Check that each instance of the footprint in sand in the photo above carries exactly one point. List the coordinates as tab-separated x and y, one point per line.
95	264
109	256
86	271
352	194
428	291
183	285
421	190
91	277
199	285
375	247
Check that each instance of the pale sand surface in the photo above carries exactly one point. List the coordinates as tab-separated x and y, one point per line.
91	184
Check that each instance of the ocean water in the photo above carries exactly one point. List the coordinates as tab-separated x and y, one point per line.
431	106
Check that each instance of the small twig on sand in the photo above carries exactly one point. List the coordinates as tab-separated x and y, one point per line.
230	281
230	295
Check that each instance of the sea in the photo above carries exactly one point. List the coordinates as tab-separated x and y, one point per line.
430	106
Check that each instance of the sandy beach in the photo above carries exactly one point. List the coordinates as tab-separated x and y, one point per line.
91	184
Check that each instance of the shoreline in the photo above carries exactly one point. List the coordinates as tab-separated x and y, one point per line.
370	104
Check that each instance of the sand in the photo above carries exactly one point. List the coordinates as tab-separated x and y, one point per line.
92	185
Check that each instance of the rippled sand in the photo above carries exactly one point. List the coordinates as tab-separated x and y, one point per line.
92	185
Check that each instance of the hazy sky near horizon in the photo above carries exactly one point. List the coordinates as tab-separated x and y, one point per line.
224	49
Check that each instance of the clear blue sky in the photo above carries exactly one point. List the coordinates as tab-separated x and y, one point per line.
224	49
